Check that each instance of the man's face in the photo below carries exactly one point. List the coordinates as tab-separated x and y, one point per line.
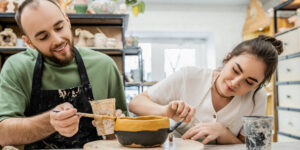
48	31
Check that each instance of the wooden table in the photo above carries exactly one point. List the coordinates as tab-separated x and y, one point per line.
177	144
275	146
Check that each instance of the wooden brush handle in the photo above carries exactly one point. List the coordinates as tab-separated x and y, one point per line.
95	116
92	115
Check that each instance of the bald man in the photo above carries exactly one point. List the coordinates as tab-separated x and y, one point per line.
53	75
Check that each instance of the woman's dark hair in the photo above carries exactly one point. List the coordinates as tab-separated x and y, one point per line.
264	47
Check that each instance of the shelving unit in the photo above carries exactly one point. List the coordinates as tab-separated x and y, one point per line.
136	51
113	25
287	79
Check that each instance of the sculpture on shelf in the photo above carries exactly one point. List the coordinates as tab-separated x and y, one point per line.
10	6
63	4
8	37
100	40
123	8
3	5
84	37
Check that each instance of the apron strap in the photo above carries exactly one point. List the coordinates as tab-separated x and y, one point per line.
83	75
37	76
38	71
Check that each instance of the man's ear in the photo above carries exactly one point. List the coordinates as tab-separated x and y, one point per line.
27	41
67	18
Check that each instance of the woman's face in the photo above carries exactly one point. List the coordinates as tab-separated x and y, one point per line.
240	75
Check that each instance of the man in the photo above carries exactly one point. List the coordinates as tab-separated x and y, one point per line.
53	74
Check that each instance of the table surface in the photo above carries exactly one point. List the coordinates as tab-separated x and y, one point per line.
275	146
176	144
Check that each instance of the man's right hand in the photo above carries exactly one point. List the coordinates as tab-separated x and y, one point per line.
65	122
177	110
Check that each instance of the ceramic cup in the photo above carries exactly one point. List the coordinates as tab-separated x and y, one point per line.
258	132
107	107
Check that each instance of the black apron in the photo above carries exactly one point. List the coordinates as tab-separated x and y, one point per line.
44	100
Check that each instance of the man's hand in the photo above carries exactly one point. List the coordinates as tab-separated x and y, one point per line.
118	113
66	121
210	131
177	110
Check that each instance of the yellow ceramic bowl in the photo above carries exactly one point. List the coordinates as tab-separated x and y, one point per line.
144	131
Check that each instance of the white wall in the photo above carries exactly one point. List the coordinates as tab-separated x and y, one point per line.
224	22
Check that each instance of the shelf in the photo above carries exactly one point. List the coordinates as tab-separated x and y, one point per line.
289	56
287	83
289	135
288	30
288	5
128	84
132	50
13	50
289	109
81	19
150	83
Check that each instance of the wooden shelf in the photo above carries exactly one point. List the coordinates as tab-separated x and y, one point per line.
132	50
13	50
81	19
288	5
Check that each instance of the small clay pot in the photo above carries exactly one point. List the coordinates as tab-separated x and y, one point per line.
3	5
145	131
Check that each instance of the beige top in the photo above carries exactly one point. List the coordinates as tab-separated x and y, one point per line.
193	85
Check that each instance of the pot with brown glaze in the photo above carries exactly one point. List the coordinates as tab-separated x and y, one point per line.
144	131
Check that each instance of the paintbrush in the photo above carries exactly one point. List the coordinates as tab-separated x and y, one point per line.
88	115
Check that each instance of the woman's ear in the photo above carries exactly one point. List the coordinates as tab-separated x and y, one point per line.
227	58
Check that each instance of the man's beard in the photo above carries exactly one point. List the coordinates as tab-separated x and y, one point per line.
64	62
60	62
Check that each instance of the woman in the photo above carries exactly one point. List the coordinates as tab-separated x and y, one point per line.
220	97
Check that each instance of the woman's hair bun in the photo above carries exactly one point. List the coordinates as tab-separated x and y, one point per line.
276	43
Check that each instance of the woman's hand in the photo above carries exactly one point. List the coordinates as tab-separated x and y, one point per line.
178	110
119	113
210	131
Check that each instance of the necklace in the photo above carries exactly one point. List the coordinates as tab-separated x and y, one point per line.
223	96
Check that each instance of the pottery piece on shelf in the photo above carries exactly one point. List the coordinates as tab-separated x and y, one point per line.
100	40
8	37
80	6
104	6
123	8
111	42
63	4
83	37
3	5
10	6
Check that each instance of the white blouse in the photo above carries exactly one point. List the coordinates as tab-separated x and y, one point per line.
193	85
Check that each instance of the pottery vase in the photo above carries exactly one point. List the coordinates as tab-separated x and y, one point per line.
100	40
3	5
80	6
104	6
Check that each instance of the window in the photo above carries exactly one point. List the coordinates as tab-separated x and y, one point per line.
178	58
